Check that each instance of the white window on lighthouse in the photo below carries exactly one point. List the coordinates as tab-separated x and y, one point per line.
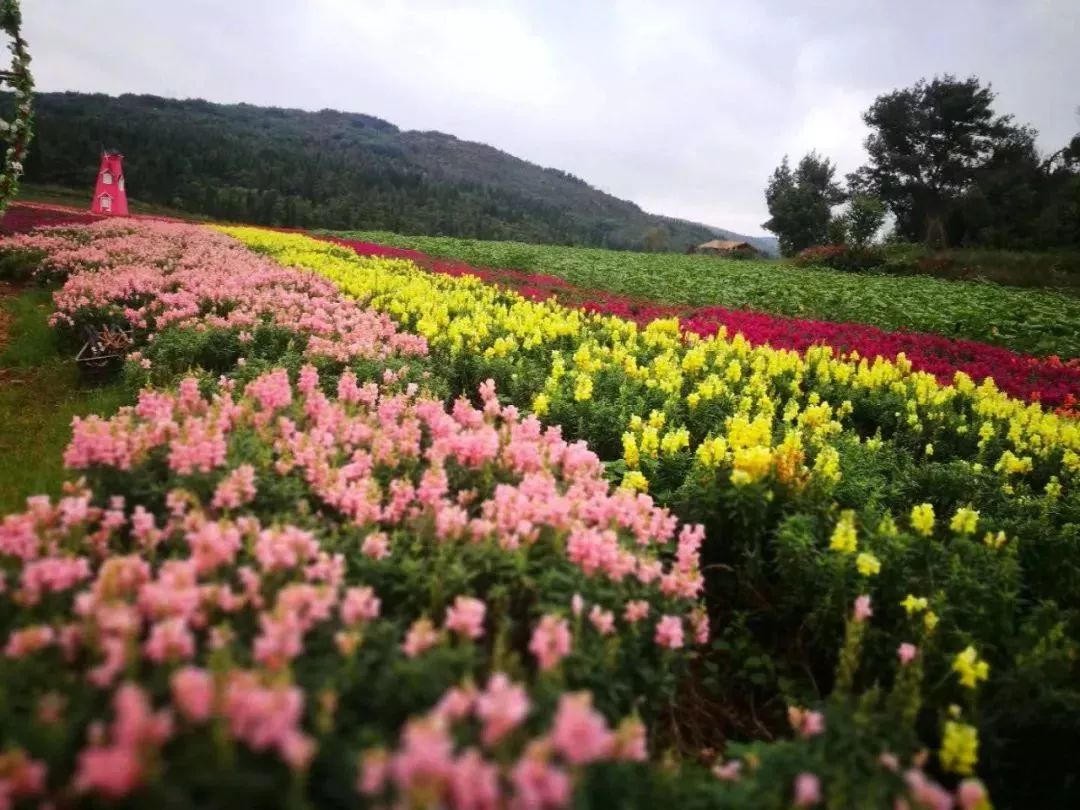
120	184
106	177
106	202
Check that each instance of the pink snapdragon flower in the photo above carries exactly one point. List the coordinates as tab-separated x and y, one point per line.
359	605
907	652
421	637
29	640
807	790
669	632
551	641
374	772
602	620
863	610
193	693
170	640
539	784
502	706
579	732
805	722
236	489
635	611
971	794
376	546
577	604
466	617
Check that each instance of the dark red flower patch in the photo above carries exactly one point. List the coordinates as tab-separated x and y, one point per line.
24	216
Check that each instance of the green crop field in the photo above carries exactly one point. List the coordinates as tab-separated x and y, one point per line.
1040	322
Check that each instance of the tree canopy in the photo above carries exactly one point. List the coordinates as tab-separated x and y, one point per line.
944	162
800	202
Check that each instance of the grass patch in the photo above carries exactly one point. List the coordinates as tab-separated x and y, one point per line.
40	392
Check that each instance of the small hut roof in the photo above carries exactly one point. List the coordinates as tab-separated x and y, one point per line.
723	244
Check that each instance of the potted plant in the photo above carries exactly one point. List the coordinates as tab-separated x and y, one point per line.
102	355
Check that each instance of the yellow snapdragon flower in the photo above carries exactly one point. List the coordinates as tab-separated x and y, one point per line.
965	521
583	388
631	455
868	565
674	441
922	519
970	667
914	604
844	537
541	404
959	748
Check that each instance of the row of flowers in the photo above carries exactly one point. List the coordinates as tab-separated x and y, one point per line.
316	579
825	475
240	561
682	372
1047	380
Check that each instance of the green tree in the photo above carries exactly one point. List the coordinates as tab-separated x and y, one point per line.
800	202
15	134
864	218
928	145
837	232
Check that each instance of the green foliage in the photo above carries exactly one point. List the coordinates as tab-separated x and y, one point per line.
837	232
1027	268
1032	321
864	219
40	392
19	265
16	134
955	173
799	202
846	258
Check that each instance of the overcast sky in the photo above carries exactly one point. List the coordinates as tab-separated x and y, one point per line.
684	106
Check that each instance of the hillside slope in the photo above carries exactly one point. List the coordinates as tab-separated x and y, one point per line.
334	170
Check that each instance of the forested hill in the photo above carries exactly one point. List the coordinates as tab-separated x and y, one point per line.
334	170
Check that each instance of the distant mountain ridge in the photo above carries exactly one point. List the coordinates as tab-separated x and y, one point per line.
336	170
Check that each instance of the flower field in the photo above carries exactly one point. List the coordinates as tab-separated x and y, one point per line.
1034	322
1049	380
385	533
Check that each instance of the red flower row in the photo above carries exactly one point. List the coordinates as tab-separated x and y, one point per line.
1038	379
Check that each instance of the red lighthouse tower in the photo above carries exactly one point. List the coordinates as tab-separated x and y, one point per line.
110	196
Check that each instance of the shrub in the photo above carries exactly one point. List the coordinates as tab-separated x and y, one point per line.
846	258
19	264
